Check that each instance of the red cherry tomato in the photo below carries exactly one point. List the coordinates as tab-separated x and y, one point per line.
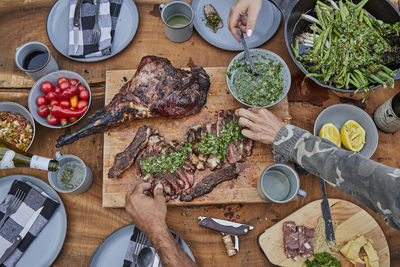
50	96
65	103
43	110
84	94
81	87
63	121
82	104
57	90
46	87
54	102
52	120
41	100
64	85
74	82
60	80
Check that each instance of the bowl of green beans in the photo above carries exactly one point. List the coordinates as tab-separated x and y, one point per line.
265	89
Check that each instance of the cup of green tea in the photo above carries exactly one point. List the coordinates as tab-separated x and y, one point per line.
279	183
177	17
35	60
73	175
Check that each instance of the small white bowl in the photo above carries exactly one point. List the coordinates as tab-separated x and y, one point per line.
17	108
260	55
53	77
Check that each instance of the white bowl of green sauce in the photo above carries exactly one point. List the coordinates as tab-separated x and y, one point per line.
265	90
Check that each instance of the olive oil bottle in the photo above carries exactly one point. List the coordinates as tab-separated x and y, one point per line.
11	157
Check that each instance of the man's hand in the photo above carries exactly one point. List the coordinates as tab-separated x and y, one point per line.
261	124
237	20
147	213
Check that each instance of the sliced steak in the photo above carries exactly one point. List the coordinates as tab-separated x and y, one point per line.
290	239
207	184
308	245
211	14
125	159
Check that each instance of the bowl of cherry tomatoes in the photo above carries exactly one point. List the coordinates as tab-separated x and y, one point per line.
59	99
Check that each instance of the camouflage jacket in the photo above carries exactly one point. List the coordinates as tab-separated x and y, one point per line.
375	185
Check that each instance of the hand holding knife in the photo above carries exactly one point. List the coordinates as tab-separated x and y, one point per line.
17	240
227	228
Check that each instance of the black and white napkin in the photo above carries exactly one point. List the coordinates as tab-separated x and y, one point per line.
108	18
35	198
138	241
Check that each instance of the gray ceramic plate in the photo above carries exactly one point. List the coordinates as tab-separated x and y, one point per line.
50	241
57	28
260	55
340	113
17	108
112	251
267	24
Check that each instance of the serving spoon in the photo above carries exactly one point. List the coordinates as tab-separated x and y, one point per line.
247	52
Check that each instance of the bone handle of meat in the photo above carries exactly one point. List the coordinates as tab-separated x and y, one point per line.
230	248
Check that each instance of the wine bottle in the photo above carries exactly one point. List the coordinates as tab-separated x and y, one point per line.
11	157
387	116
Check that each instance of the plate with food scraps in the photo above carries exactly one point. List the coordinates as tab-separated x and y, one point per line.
58	31
267	24
351	222
340	114
49	242
112	250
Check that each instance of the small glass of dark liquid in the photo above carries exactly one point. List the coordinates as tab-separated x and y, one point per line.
35	60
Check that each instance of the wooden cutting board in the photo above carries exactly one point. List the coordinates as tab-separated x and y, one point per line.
241	190
352	220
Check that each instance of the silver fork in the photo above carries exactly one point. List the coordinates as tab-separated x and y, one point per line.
96	29
13	207
138	247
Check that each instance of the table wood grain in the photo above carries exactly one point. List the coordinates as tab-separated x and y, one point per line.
88	223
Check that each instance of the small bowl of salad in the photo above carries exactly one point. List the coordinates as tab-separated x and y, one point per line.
59	99
264	90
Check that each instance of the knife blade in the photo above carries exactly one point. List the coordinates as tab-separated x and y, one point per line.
246	51
226	227
77	17
17	240
326	214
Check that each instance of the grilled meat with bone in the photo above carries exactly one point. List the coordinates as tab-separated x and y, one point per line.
156	90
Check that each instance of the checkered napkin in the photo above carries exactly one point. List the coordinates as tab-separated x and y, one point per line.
34	199
138	241
108	18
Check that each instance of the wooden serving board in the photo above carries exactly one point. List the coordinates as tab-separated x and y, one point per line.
352	220
241	190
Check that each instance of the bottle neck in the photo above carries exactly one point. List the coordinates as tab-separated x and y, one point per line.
42	163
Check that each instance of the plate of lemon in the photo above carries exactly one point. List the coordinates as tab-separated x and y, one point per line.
348	127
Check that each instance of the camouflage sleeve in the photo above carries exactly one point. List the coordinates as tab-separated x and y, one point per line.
375	185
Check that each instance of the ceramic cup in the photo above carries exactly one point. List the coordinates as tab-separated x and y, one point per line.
84	184
182	33
279	183
23	51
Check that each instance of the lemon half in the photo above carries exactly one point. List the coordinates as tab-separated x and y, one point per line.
353	136
330	132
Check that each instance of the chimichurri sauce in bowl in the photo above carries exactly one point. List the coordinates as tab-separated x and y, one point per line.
267	88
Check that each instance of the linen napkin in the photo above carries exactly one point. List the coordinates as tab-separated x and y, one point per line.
34	199
138	241
108	17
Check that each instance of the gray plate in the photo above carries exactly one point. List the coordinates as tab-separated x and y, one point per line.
57	29
112	251
267	23
50	241
340	113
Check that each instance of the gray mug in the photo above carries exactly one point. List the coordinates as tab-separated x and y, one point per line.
279	183
23	51
81	186
177	33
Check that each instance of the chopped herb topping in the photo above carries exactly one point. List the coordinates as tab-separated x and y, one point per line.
169	162
213	19
323	259
212	145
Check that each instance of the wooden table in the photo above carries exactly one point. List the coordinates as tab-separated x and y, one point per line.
88	223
